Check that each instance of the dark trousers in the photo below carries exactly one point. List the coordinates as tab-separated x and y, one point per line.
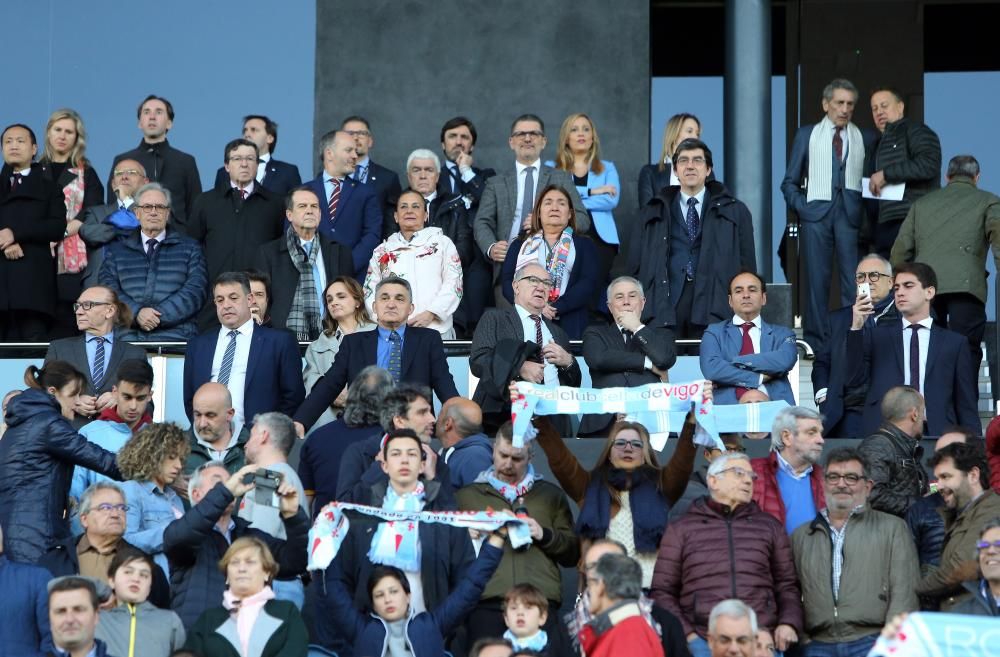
606	254
477	295
24	326
964	313
684	328
848	426
885	237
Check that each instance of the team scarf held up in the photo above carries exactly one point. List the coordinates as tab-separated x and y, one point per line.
398	543
331	526
942	635
673	399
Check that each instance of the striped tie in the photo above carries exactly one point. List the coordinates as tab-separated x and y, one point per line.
227	359
395	356
98	371
334	198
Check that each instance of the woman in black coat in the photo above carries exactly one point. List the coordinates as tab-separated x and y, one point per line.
37	456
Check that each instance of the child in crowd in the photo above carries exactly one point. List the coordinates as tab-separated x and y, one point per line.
525	611
133	627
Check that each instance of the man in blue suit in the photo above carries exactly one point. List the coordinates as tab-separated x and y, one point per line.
408	353
915	352
745	353
385	181
274	175
350	211
822	185
261	367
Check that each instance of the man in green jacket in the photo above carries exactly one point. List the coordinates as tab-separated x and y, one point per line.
951	229
512	484
211	434
856	565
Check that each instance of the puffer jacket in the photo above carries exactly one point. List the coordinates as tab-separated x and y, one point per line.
37	456
876	581
174	282
908	152
895	462
24	608
766	493
713	553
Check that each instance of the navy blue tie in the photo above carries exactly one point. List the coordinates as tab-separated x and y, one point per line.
692	221
395	356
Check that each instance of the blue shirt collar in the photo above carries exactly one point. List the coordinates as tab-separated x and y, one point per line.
383	333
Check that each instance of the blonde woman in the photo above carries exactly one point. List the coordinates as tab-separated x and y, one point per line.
654	177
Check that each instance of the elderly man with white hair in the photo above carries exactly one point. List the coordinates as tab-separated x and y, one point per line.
732	628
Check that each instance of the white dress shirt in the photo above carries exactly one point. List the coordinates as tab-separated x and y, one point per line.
319	270
238	373
924	339
262	166
521	174
699	207
528	325
159	237
755	339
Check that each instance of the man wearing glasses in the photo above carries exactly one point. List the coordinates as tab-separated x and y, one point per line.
102	514
726	547
384	181
856	565
842	406
103	223
506	204
157	272
985	592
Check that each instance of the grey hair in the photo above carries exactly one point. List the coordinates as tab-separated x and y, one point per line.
281	429
365	396
839	83
621	575
154	187
196	476
519	272
735	609
463	424
787	419
424	154
874	256
86	499
395	280
963	165
990	524
899	401
625	279
326	141
722	462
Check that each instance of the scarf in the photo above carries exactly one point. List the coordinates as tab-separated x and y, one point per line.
558	262
110	414
648	507
305	314
821	160
397	543
246	611
510	492
123	218
536	641
71	254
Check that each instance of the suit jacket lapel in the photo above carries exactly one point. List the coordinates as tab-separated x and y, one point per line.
931	354
117	355
766	337
256	346
514	328
735	336
80	356
410	348
897	350
346	190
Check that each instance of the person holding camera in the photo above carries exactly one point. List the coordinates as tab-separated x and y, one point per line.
195	542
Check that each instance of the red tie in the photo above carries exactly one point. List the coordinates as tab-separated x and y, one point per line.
745	348
334	198
838	144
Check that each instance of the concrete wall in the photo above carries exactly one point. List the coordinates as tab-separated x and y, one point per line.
409	65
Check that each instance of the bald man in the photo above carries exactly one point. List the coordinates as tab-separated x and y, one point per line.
464	446
211	433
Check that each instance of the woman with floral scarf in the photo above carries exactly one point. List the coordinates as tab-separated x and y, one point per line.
570	260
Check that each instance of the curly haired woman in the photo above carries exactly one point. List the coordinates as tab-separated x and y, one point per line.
150	462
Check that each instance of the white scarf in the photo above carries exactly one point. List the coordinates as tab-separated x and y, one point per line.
821	160
398	543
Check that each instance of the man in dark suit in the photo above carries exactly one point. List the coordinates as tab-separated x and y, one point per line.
174	169
840	405
409	353
822	185
233	223
444	211
102	319
350	212
384	181
625	353
914	352
261	367
745	353
508	199
274	175
300	265
520	343
103	223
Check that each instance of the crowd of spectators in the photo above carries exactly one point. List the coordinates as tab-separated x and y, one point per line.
122	536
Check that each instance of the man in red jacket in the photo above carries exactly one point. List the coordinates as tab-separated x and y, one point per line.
993	452
726	547
618	628
789	482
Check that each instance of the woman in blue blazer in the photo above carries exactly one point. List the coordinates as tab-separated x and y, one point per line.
569	259
597	183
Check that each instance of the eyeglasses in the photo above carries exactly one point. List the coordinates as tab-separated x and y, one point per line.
108	508
684	159
986	545
243	158
850	478
88	305
621	443
127	172
873	276
534	134
149	207
534	280
358	133
741	473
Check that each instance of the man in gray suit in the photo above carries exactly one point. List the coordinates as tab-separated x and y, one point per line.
520	344
99	350
103	223
507	201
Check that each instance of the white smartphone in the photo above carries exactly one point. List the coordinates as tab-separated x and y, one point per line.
864	290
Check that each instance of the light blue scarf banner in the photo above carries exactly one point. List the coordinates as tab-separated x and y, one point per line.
729	418
927	634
